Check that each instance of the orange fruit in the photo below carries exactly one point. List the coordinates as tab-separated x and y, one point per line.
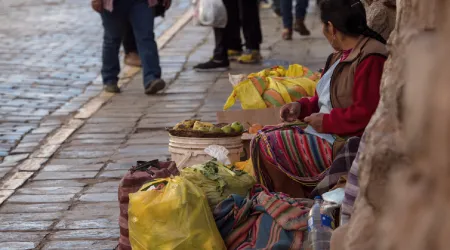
255	128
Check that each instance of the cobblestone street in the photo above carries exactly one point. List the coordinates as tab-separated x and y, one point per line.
59	187
49	57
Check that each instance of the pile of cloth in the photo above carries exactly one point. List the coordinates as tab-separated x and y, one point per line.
272	87
262	220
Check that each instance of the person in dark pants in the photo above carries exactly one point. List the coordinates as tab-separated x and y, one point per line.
140	13
276	7
301	7
241	13
130	47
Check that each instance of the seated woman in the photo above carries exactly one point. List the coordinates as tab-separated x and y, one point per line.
294	158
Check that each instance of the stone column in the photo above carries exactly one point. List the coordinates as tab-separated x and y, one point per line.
405	167
381	16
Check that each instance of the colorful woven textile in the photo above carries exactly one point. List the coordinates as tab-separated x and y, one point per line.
262	220
301	156
273	87
351	188
339	168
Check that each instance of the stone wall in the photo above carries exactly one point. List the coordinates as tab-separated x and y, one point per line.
405	165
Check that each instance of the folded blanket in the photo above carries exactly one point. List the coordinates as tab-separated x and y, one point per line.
262	220
340	167
351	189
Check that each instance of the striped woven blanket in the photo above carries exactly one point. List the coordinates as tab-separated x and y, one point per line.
351	188
303	157
262	220
340	167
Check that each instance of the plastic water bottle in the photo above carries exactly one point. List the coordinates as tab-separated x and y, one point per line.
319	227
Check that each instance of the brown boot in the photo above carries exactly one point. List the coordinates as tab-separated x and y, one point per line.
287	34
300	27
133	59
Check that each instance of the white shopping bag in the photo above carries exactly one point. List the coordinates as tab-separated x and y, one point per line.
210	13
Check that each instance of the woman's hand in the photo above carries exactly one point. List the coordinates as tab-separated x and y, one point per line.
315	120
97	5
290	112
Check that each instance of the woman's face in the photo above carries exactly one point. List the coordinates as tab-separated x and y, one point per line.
331	34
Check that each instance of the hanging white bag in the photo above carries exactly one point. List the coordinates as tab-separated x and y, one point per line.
210	13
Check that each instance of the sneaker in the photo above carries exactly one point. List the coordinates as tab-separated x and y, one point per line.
213	66
250	57
111	88
155	86
233	55
133	59
300	27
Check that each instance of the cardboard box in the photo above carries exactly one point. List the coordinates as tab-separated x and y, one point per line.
269	116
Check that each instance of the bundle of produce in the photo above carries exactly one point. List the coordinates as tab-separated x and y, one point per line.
273	87
246	166
218	181
197	128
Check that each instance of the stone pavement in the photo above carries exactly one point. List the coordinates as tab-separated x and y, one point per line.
49	57
70	202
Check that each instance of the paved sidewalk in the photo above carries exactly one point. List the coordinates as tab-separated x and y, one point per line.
71	202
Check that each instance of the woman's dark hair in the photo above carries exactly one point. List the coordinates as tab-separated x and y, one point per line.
349	17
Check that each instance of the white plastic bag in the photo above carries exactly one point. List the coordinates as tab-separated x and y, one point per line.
334	196
236	79
210	13
218	152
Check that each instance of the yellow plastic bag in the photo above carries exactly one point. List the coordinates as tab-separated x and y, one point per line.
174	216
274	87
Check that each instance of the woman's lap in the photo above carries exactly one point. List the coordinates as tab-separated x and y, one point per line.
301	157
340	167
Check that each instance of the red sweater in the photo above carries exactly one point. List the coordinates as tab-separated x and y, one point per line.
353	120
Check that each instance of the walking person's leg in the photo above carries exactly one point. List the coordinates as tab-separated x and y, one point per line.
276	7
286	13
128	40
301	7
225	38
130	47
251	26
220	50
219	61
233	30
112	37
142	20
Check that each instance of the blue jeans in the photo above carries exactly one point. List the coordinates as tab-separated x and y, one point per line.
141	18
286	11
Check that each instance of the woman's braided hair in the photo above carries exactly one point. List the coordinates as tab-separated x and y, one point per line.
349	17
